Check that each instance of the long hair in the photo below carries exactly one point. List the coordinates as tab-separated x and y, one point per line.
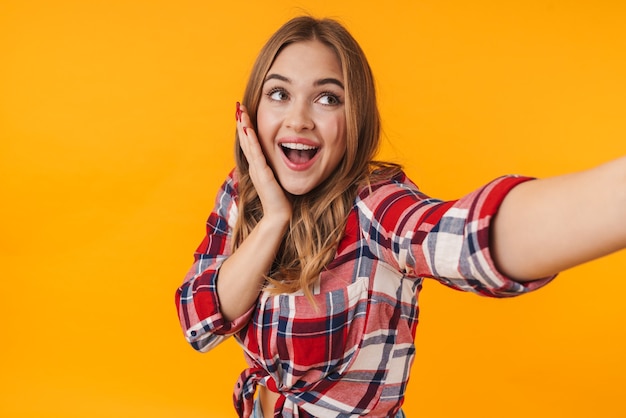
319	217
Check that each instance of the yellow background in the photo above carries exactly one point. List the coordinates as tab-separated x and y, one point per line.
116	129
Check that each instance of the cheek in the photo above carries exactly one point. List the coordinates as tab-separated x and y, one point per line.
265	128
335	135
335	129
342	141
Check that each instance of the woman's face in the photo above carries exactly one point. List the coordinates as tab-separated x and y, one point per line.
301	119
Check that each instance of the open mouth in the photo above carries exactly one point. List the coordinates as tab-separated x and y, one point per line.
298	153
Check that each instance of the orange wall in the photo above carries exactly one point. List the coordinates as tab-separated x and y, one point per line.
116	126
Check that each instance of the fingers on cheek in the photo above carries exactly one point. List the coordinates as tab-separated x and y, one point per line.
243	144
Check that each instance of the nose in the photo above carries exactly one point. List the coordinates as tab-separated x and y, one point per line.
299	117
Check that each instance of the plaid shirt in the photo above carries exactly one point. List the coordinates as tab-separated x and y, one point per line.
352	355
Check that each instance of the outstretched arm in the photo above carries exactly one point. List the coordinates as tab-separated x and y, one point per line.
549	225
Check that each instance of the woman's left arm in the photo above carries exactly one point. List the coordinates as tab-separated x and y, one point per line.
549	225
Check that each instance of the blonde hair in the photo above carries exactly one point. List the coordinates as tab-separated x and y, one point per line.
319	217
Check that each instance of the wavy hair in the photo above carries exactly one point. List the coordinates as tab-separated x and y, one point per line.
318	217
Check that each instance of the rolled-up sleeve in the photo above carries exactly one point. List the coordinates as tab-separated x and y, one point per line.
197	300
448	241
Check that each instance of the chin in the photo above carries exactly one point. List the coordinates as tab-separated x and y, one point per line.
297	189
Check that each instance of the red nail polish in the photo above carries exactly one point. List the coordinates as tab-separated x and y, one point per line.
238	113
245	131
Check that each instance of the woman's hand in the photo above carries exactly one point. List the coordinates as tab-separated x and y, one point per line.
242	275
276	204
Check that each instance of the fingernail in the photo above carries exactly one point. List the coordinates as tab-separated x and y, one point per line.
238	112
245	131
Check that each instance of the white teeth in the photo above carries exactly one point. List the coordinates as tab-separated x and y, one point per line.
297	146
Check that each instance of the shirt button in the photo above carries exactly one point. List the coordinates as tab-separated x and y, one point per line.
193	333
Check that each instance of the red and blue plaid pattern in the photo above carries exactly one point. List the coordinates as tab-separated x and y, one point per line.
351	354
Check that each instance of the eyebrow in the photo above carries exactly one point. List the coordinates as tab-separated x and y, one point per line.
320	82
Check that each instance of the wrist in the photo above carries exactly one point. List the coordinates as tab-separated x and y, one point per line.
276	222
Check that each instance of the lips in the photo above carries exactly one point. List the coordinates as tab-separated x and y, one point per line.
298	153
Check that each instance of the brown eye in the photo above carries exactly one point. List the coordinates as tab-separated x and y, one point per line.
329	99
278	95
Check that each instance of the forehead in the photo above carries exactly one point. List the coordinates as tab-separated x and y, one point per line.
307	59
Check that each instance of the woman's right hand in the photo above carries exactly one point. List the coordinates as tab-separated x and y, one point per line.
242	275
276	204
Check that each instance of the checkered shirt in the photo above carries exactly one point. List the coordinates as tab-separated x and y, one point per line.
351	355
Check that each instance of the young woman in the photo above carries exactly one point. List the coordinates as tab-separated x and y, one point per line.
315	253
